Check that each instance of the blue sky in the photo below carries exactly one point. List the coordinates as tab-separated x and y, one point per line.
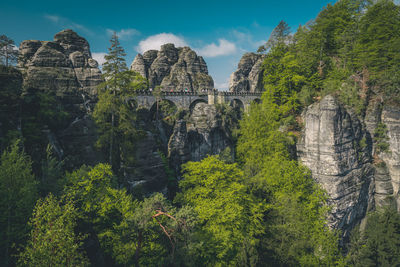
220	31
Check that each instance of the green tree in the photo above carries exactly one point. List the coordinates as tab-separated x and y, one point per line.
296	231
113	113
53	241
259	135
8	51
229	216
280	35
295	226
18	195
10	105
148	233
51	174
379	37
379	243
88	186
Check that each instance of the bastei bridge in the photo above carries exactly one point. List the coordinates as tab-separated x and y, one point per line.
187	100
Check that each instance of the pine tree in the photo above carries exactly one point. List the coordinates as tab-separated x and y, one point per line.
8	51
114	113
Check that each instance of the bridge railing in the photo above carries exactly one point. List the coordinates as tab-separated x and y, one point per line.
202	93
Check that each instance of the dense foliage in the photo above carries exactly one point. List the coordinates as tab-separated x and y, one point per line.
114	113
350	50
379	243
258	208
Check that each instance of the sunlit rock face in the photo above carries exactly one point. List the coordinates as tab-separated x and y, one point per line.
249	74
64	65
65	69
337	149
387	187
174	69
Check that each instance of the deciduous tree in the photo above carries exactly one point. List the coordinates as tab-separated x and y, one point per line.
53	241
18	195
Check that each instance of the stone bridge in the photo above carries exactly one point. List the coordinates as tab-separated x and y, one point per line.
187	100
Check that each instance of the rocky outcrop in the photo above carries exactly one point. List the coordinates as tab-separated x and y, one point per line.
148	172
65	72
248	76
63	66
173	69
337	149
389	184
203	134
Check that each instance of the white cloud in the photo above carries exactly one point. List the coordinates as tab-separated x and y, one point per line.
223	48
99	57
67	24
156	41
52	18
124	34
246	39
222	86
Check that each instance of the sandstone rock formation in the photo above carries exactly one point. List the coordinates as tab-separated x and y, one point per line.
248	76
64	69
337	149
64	66
203	134
173	69
387	188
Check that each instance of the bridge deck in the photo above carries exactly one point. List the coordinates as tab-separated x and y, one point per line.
186	100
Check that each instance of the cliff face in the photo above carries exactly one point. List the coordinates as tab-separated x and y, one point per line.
341	152
387	187
173	69
64	65
201	135
248	76
64	68
337	149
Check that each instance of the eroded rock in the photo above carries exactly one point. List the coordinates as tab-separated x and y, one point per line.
63	66
336	148
64	69
248	76
174	69
203	134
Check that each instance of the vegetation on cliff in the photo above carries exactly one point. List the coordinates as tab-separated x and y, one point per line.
261	209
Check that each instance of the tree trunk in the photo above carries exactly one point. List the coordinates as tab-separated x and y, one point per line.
112	139
138	248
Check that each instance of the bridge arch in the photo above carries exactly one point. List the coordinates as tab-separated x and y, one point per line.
237	103
162	108
195	102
